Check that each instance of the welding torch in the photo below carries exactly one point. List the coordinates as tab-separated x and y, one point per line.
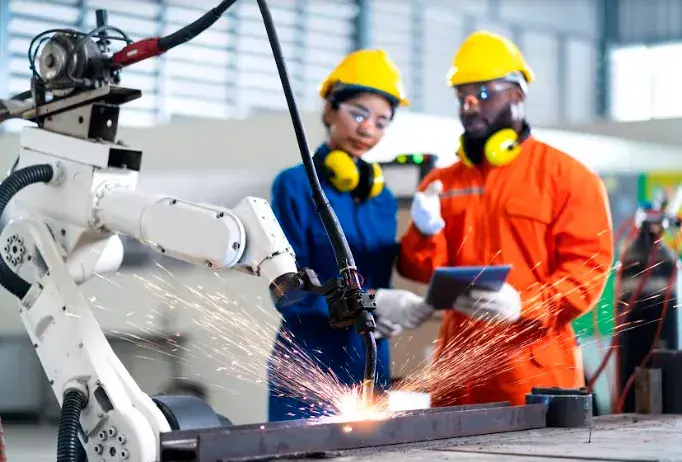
348	304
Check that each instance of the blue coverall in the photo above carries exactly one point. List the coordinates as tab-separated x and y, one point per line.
370	228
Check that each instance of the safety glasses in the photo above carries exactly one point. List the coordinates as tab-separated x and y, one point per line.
360	115
483	92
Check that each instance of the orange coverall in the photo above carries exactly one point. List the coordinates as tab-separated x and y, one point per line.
548	216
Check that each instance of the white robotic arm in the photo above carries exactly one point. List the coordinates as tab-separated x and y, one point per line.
75	193
67	228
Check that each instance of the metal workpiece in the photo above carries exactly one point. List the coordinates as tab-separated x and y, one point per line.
566	407
315	437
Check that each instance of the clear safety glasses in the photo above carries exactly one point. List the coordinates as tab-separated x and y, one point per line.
481	93
360	115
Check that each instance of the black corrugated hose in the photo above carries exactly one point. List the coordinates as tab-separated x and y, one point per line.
15	182
68	444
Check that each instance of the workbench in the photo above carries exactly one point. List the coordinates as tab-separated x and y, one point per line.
613	438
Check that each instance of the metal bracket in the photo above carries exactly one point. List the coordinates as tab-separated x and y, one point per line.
288	438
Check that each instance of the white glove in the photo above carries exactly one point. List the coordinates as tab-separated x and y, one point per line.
426	209
386	328
401	307
496	306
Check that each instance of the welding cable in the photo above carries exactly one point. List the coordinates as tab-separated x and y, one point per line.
615	341
9	188
630	228
156	46
337	239
190	31
657	336
342	252
370	366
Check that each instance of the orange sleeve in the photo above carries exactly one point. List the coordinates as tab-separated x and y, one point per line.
583	242
420	255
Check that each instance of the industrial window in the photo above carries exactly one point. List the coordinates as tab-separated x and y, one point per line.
643	79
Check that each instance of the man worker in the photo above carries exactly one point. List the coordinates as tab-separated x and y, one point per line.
511	199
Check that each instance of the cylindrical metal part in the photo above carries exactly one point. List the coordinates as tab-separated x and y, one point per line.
566	407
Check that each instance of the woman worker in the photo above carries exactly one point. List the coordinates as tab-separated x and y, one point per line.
361	96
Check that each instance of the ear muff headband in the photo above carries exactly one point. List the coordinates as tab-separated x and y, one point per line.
363	180
502	148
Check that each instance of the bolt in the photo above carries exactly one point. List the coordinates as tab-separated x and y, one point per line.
98	449
235	245
124	454
220	215
80	345
112	431
102	435
121	438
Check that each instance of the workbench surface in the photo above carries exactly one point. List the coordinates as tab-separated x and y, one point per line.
613	438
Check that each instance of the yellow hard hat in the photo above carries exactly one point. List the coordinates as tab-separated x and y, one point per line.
369	69
487	56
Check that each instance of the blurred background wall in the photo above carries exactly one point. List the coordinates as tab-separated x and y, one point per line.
214	127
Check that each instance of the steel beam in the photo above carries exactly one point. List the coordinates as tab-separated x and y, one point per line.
305	437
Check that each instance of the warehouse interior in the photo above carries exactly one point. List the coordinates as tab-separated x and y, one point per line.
214	128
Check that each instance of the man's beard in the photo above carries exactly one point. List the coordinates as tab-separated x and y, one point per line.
474	146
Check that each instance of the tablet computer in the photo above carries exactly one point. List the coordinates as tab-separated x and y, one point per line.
448	282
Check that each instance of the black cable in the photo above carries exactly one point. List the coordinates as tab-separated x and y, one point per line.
190	31
342	252
371	357
68	444
9	187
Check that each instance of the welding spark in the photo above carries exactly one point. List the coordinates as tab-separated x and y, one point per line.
238	341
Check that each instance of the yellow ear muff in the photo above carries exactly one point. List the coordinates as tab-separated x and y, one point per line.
502	148
378	181
343	173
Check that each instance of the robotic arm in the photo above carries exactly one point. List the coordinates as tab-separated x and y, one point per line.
74	186
70	212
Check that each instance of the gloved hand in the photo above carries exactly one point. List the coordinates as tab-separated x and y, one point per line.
496	306
402	308
426	209
386	328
